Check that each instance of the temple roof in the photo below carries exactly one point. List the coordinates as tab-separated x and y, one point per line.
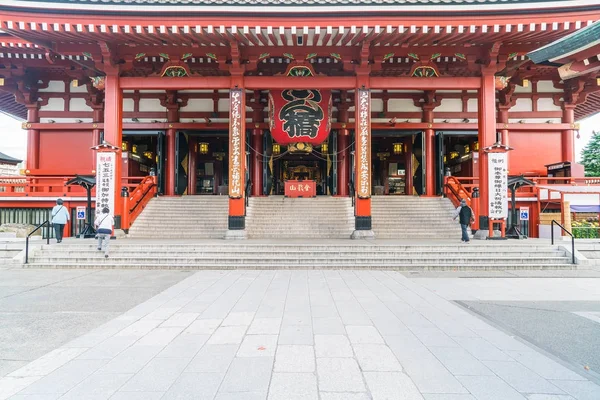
315	5
560	51
295	2
8	159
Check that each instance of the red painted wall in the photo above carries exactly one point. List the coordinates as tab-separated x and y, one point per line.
67	153
533	150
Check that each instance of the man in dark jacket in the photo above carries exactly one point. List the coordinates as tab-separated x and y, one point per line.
465	217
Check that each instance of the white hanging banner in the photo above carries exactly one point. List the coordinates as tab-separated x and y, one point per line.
105	181
498	185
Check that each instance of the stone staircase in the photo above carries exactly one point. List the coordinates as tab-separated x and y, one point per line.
8	250
303	254
410	217
187	217
279	217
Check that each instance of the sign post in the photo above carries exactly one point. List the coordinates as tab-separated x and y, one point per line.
106	179
81	213
497	187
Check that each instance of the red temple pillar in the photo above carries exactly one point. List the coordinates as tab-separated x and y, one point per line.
363	164
503	119
98	117
113	131
237	162
487	137
343	151
257	147
192	162
33	137
567	140
171	159
429	152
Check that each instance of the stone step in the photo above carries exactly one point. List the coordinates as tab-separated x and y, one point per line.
305	253
108	264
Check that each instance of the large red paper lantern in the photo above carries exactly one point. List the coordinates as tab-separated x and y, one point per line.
300	115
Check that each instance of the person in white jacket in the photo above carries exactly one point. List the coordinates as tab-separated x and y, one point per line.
104	225
60	217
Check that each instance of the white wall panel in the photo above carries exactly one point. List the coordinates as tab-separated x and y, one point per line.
523	105
472	105
399	105
449	105
377	105
79	105
151	105
54	86
223	105
547	105
78	89
198	105
547	87
54	104
128	105
521	89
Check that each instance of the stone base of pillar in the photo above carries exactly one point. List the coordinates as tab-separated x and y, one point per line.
363	234
235	235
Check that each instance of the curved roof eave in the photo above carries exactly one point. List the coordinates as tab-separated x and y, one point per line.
326	6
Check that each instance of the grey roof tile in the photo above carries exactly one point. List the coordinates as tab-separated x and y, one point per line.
292	2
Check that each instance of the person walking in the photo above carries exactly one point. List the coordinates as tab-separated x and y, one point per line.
60	217
466	218
104	225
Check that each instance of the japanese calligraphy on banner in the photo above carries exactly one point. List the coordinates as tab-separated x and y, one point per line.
300	115
363	143
498	185
105	181
237	139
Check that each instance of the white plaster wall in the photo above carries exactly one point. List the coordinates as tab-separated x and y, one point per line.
152	91
194	91
151	105
223	105
404	91
547	105
449	105
54	86
128	105
377	105
198	105
54	104
521	89
448	91
399	105
523	105
79	105
472	105
78	89
547	87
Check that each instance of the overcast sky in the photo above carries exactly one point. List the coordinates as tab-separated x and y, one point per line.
13	139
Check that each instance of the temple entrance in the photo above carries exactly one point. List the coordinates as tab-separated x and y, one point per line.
301	167
398	163
143	154
201	163
456	154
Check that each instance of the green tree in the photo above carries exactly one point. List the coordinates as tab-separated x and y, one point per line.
591	156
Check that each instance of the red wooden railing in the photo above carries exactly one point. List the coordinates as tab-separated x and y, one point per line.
41	186
138	198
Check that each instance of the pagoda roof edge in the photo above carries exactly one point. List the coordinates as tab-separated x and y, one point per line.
452	7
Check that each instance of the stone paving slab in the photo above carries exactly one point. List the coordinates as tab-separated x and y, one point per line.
296	335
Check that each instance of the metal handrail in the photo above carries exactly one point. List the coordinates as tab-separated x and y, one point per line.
247	191
132	209
47	223
351	189
569	233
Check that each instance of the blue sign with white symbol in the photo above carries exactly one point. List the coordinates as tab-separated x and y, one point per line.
80	212
524	213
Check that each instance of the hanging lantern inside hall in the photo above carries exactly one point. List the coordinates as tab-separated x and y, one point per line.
324	148
276	149
476	146
398	148
203	148
300	115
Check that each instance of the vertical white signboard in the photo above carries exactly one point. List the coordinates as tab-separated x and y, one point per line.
498	185
105	181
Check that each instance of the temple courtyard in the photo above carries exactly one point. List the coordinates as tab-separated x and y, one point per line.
298	334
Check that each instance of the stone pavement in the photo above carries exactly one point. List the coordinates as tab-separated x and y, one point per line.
294	335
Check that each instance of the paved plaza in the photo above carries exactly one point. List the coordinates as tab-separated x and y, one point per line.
313	335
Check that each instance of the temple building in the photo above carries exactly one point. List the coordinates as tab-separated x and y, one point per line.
355	99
